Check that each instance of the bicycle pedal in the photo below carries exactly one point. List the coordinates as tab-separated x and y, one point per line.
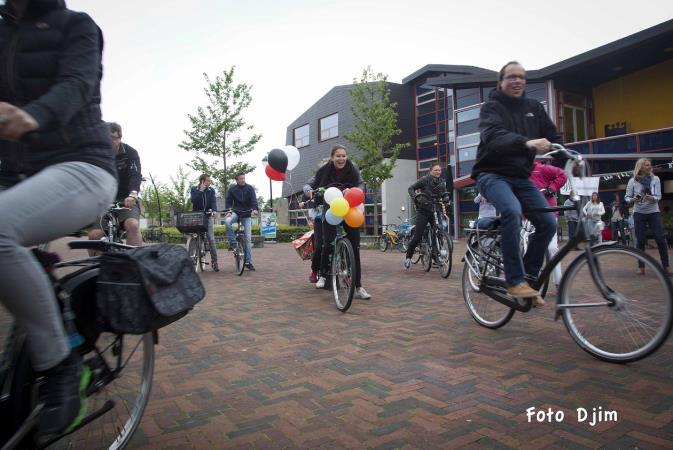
48	440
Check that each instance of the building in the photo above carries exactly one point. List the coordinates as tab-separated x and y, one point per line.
614	104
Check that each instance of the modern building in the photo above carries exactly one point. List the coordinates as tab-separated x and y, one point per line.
614	104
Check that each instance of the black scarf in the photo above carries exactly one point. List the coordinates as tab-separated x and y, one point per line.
348	176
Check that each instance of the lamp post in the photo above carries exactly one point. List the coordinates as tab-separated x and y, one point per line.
265	161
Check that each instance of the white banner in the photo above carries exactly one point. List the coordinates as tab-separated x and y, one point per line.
584	186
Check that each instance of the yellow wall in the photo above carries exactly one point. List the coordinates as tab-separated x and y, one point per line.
644	100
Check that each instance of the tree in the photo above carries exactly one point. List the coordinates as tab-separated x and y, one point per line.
177	192
155	202
374	129
217	130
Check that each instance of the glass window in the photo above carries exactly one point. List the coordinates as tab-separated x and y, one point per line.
467	97
425	165
426	120
329	127
661	140
426	130
625	144
427	141
467	154
536	91
425	98
301	138
470	114
470	139
422	89
425	109
485	91
465	168
468	127
429	152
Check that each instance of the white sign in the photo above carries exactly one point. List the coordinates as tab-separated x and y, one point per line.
584	186
268	225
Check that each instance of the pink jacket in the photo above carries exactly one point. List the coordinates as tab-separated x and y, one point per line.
547	176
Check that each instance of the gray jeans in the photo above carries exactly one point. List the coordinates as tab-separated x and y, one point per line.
210	234
52	203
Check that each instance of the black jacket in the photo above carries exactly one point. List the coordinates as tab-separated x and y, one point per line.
203	200
242	199
50	66
434	187
129	171
348	177
505	125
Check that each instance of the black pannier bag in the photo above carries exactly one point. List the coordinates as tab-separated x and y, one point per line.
146	288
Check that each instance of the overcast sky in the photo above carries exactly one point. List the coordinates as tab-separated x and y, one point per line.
293	51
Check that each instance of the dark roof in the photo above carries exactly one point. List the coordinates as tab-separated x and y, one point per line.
446	70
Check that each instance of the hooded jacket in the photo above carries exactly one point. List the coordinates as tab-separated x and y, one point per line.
505	125
50	66
242	199
203	200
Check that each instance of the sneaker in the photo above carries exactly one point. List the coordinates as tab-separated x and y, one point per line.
364	295
215	266
407	263
249	266
523	291
313	277
320	283
64	396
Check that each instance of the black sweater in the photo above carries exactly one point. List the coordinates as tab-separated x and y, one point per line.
50	66
505	125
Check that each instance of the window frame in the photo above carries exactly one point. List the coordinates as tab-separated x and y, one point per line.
323	139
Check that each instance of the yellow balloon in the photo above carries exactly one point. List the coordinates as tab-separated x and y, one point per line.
339	207
354	218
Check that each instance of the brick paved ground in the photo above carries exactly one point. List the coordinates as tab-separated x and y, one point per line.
266	361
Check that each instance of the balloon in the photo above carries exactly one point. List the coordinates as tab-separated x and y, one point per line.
278	160
331	194
354	218
274	174
361	208
355	196
331	218
339	207
292	156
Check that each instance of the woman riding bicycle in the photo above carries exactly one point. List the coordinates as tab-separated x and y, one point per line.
58	176
433	186
338	171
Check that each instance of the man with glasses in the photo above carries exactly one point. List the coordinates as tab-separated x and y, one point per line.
513	129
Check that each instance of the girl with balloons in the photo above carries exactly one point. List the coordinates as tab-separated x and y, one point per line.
343	206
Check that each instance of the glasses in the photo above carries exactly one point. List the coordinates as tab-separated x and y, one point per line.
515	77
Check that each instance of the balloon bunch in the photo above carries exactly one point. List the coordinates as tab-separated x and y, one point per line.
280	160
347	206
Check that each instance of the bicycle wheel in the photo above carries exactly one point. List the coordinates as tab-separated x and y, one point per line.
639	319
239	255
343	274
402	243
193	251
426	251
204	253
444	254
483	309
383	243
121	371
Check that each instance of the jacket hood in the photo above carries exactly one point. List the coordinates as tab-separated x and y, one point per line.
34	9
497	95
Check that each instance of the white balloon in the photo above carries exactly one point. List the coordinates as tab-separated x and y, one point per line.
331	194
361	207
292	156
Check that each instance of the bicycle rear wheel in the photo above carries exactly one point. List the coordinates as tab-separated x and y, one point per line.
632	326
426	251
343	274
239	255
121	371
383	243
204	254
193	251
444	253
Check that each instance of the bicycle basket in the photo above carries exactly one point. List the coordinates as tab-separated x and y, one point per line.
194	222
304	246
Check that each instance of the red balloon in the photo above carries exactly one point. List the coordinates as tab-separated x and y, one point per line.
274	174
355	196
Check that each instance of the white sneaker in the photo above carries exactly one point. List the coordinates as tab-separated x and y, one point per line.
407	263
364	295
320	283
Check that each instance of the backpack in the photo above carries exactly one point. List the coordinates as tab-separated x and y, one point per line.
145	288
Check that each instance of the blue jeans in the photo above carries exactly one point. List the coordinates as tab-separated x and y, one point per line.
247	226
653	221
510	195
210	235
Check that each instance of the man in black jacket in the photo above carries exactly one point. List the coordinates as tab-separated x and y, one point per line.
130	177
204	200
513	129
63	173
242	200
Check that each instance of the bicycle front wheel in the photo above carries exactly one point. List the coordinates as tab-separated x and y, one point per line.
343	274
444	253
122	371
193	251
239	255
204	254
634	322
426	252
383	243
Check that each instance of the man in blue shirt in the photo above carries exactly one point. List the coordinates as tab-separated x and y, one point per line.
242	200
204	200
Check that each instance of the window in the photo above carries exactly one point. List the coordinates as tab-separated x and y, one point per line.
329	127
301	136
467	97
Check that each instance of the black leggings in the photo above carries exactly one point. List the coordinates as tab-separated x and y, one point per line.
317	244
328	235
422	220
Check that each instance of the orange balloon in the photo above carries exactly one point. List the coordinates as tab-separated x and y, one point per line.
354	218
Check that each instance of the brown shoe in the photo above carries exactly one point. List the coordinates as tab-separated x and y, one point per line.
523	291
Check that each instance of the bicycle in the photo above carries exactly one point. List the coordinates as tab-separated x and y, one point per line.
239	249
343	270
389	237
436	245
194	226
527	229
602	309
112	228
121	367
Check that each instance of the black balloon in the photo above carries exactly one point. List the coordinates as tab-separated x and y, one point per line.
278	160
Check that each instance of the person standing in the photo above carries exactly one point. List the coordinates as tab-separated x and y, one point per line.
617	220
204	200
242	200
644	192
571	218
594	210
512	130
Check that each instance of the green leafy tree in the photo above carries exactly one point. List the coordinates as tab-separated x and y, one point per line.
154	199
374	130
218	129
177	192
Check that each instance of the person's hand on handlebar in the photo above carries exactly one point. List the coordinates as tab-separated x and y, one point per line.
539	145
130	201
15	122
